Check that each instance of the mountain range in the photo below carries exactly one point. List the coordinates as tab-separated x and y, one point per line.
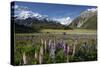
29	22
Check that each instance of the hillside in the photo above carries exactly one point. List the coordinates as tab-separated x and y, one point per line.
23	29
91	23
86	20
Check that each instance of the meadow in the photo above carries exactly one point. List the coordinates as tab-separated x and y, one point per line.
55	46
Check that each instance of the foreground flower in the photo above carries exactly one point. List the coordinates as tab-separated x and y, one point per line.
52	50
41	55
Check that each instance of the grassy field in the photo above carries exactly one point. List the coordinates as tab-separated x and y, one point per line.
75	31
58	31
48	46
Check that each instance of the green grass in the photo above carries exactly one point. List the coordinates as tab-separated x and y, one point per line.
75	31
30	46
60	31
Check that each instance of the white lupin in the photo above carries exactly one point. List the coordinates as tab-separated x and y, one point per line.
36	55
74	48
42	41
41	55
64	46
45	45
52	50
68	49
49	43
24	58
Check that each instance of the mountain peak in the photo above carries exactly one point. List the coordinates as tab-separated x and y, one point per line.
64	20
28	14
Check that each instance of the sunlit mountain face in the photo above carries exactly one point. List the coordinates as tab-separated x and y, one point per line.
87	19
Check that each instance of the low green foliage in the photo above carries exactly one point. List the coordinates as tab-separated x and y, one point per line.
86	50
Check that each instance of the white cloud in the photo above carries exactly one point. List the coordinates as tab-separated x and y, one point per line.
20	8
92	9
16	6
64	21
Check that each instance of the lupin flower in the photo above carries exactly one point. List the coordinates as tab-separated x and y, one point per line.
42	41
41	55
59	45
49	44
66	49
45	44
52	50
36	55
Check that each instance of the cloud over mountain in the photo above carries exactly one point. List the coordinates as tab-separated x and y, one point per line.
64	20
92	9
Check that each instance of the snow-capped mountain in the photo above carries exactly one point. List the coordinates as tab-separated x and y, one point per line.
31	22
28	17
64	21
29	14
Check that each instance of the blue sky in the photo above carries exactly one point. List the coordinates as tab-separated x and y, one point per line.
53	10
